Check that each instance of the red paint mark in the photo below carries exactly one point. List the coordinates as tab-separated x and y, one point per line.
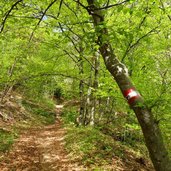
131	95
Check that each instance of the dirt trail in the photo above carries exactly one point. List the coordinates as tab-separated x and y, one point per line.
40	149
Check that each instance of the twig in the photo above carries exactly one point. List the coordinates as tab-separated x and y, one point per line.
7	15
31	36
136	43
60	5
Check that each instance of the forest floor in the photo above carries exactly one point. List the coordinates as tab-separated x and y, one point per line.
40	149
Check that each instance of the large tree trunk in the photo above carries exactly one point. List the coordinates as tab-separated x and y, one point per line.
150	128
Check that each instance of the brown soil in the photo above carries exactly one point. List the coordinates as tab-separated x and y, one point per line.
39	149
42	149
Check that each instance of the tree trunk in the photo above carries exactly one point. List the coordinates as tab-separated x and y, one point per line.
95	87
81	91
150	128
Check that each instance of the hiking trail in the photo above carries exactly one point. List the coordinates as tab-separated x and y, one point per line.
40	149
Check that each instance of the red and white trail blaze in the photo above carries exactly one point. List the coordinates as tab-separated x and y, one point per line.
131	95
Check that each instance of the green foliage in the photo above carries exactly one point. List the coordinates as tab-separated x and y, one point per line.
42	115
49	60
91	145
6	140
69	115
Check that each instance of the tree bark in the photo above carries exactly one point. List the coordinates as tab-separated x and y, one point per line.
150	128
81	92
95	87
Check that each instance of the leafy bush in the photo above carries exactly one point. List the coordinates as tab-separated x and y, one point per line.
69	115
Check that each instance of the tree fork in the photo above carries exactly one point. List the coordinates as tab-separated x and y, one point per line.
150	129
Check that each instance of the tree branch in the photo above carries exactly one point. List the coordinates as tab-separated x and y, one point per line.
130	46
112	5
60	5
31	36
85	7
7	15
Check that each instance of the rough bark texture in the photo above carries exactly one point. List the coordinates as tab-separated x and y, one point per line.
151	131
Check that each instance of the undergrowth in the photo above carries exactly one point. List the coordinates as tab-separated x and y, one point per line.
34	115
92	146
6	140
41	114
97	146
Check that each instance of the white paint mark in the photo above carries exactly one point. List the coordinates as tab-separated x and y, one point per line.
132	94
119	70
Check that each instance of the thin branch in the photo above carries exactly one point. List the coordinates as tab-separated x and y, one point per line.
7	15
85	7
76	23
60	5
67	53
69	38
70	9
130	46
108	1
112	5
143	37
78	50
44	13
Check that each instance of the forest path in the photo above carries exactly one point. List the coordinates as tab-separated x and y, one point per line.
40	149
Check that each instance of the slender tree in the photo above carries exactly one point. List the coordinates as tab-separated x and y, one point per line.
118	70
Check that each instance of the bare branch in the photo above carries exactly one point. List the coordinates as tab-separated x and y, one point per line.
75	61
28	17
7	15
69	38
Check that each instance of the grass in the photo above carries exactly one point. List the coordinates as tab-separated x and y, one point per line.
41	114
92	146
6	140
101	146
